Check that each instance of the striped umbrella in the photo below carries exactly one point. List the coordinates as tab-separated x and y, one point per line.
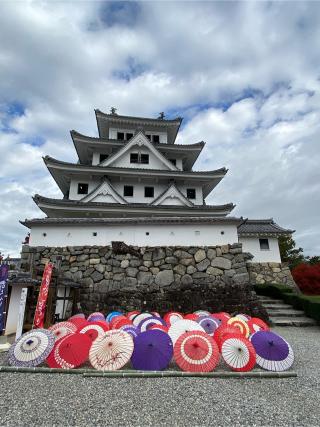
182	326
62	329
202	313
141	316
243	317
32	348
223	330
274	353
93	317
238	353
149	321
72	351
241	324
132	314
111	351
130	329
171	317
94	329
255	324
208	323
196	351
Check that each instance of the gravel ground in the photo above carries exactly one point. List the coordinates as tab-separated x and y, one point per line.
62	400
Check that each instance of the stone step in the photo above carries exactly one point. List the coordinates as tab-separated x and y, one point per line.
286	313
272	306
270	301
301	321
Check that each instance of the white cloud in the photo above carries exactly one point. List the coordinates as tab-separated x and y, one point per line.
245	73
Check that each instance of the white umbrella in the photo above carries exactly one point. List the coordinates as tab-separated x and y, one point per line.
182	326
62	329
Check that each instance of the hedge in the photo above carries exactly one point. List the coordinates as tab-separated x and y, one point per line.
309	304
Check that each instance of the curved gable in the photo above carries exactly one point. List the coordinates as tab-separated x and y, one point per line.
172	196
104	193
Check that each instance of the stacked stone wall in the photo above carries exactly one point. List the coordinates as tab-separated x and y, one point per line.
162	278
270	273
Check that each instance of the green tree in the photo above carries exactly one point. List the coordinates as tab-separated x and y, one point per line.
289	252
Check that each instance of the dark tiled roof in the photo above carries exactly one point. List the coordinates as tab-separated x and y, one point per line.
140	220
261	226
177	120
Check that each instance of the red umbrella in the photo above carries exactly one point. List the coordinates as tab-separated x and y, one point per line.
121	322
238	353
115	319
62	329
191	316
222	330
132	314
159	327
72	351
255	324
241	324
80	322
171	317
94	329
50	360
196	351
222	316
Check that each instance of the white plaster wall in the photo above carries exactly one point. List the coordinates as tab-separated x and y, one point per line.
252	245
124	160
73	192
165	235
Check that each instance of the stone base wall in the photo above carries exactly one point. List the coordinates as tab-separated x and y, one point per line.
270	272
161	278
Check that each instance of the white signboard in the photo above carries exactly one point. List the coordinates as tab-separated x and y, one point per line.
22	307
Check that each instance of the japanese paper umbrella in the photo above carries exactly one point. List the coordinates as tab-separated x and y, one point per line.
113	314
196	351
241	324
255	324
115	319
208	323
153	351
79	322
182	326
222	316
77	316
238	353
62	329
31	348
171	317
191	316
223	330
72	351
202	313
159	328
111	351
50	360
121	322
94	329
141	316
132	314
274	353
149	321
243	317
130	329
93	317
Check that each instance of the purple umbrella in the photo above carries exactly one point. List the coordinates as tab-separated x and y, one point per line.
209	324
145	324
153	351
273	352
132	330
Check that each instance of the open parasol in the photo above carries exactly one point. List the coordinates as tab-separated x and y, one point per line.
159	328
191	316
141	316
241	324
131	314
153	351
123	321
223	330
72	351
274	353
171	317
31	348
242	316
238	353
79	322
202	313
208	323
77	316
131	330
112	314
182	326
93	317
222	316
111	351
62	329
150	321
255	324
196	351
94	329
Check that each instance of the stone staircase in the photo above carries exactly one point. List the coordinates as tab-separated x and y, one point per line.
282	314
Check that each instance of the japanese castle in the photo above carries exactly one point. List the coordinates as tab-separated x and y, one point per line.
134	184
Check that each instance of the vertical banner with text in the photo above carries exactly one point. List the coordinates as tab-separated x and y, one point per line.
42	298
4	270
22	307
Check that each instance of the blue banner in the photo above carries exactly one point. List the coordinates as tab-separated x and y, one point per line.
4	268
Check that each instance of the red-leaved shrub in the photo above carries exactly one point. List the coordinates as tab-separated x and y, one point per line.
307	277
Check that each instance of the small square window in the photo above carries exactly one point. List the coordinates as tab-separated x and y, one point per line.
94	233
191	193
134	158
144	158
120	136
129	136
128	190
156	138
173	161
264	244
82	188
148	191
149	137
103	157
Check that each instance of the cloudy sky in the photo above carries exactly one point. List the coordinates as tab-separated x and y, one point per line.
245	76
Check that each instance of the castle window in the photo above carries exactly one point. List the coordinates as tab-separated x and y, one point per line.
264	244
129	136
191	193
144	159
94	233
128	190
149	137
173	161
134	158
82	188
103	157
148	191
120	136
156	138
